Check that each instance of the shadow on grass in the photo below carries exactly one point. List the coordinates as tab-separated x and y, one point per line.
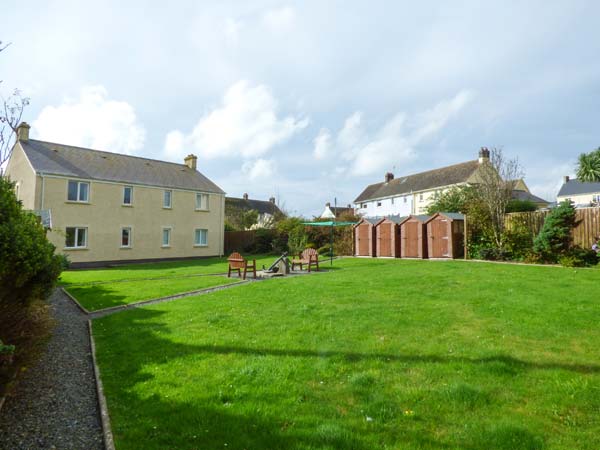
95	297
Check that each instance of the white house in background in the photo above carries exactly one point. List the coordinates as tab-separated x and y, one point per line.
580	193
412	194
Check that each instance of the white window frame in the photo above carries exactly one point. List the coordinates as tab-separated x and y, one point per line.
170	206
130	243
79	183
130	196
17	189
196	243
77	230
204	202
162	237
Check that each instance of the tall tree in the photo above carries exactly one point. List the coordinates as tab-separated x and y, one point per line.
11	112
498	177
588	166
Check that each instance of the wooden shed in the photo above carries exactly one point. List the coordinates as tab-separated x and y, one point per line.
413	233
387	234
364	237
445	234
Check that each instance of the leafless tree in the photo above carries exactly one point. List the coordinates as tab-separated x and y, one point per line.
498	176
11	112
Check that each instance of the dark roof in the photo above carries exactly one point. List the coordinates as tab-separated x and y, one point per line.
445	176
262	206
396	218
524	195
69	161
576	187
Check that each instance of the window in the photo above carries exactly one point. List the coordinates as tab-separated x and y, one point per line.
420	197
404	199
166	237
378	203
127	195
76	237
201	201
78	191
392	200
126	237
17	191
201	237
167	199
364	206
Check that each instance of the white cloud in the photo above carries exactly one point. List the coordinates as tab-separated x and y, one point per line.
394	143
259	169
92	120
245	124
279	19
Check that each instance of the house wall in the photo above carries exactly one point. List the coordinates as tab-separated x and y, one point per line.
19	170
400	205
105	215
583	199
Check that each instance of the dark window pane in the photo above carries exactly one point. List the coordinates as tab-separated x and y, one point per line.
72	195
83	192
81	232
70	239
127	196
125	237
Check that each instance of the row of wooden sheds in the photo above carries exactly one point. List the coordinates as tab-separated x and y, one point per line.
416	236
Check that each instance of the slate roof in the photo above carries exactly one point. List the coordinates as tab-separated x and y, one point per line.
576	187
58	159
524	195
451	215
445	176
262	206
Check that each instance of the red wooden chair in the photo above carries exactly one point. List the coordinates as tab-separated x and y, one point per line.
308	257
238	262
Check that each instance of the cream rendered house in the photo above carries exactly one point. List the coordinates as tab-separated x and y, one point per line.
581	193
106	207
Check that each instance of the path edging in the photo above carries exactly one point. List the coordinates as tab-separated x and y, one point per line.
107	435
83	310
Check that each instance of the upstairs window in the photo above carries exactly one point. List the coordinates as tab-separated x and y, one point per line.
78	191
404	199
378	203
420	197
167	199
201	201
201	237
127	195
76	237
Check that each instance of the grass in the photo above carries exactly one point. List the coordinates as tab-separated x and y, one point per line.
155	270
386	354
94	297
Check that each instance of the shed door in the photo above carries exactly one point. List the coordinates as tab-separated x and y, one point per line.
385	239
411	239
440	238
363	240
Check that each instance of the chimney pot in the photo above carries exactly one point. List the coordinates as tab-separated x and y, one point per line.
484	155
23	131
389	177
245	196
566	178
191	161
272	200
328	204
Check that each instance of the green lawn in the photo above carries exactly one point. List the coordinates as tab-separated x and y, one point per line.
381	354
99	296
156	270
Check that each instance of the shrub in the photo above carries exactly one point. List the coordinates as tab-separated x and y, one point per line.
579	257
297	241
263	241
325	250
555	238
517	205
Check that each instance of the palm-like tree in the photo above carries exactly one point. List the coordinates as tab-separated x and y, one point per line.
588	167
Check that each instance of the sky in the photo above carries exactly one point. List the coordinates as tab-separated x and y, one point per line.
312	101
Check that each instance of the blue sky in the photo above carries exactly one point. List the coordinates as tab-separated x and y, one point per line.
307	100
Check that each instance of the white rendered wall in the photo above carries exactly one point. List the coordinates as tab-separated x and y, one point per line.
401	206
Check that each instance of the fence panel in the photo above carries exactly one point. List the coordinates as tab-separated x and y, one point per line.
238	240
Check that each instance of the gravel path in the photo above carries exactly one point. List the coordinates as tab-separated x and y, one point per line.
55	404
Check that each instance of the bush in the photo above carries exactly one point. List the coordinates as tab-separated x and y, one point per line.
516	205
555	238
263	241
579	257
325	250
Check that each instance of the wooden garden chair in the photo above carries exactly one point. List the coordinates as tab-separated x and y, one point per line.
238	262
308	257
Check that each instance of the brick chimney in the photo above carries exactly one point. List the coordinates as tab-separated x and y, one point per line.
23	131
389	177
484	155
245	196
191	161
566	179
272	200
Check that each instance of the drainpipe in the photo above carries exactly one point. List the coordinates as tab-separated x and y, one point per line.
43	190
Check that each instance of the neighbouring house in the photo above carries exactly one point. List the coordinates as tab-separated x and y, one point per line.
107	207
267	210
335	212
581	193
412	194
522	192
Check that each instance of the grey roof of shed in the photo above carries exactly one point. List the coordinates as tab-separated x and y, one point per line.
576	187
445	176
450	215
261	206
65	160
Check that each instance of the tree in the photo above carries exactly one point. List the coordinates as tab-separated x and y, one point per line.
457	199
10	117
555	237
497	177
588	166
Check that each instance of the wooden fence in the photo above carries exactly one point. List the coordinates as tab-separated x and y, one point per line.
238	240
586	229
